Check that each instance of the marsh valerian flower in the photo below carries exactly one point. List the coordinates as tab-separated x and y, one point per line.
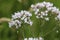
42	10
19	18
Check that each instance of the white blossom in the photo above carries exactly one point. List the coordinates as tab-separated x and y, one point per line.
58	16
11	23
49	8
56	10
31	23
19	18
25	38
32	6
37	10
30	38
41	16
48	4
16	23
37	17
40	38
44	2
42	13
35	38
14	16
47	19
40	5
46	11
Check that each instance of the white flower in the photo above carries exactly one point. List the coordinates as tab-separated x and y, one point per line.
18	14
22	12
45	13
47	19
41	16
40	38
18	22
58	16
30	38
42	13
11	23
25	38
48	4
49	8
15	23
56	10
40	5
28	14
32	6
25	20
44	2
14	16
37	17
24	16
19	18
35	38
31	23
37	10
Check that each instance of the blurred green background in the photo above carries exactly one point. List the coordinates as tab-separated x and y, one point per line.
8	7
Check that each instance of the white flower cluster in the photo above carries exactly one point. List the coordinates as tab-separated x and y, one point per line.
24	16
19	18
40	38
44	14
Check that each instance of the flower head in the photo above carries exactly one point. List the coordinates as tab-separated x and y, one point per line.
19	18
42	10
